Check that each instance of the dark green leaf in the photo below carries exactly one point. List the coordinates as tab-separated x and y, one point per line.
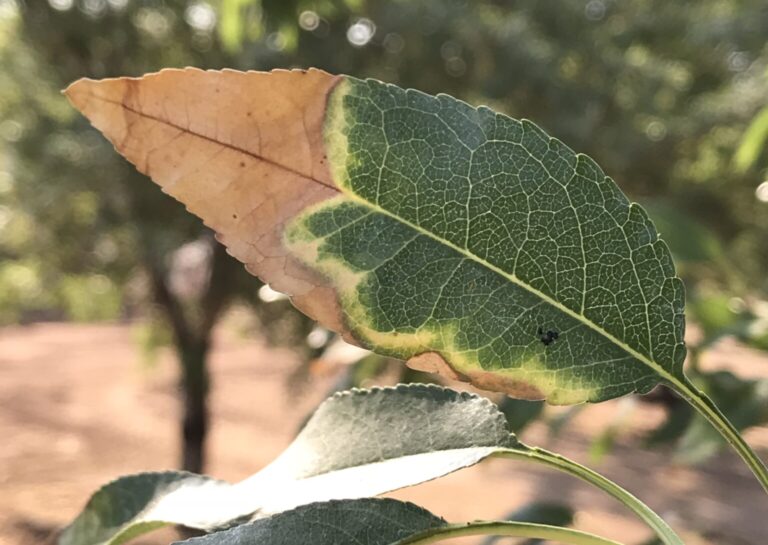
350	522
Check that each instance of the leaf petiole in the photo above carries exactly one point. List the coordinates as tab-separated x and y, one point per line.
505	528
707	408
661	528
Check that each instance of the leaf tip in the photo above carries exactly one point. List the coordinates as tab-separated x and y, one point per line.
79	92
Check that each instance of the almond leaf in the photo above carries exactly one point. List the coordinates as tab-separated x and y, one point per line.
456	238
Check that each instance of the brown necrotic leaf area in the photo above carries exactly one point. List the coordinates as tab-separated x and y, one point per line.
242	150
433	362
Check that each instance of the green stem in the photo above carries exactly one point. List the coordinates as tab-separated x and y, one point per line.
707	408
662	529
512	529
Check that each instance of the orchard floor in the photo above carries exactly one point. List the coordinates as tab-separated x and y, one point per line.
78	408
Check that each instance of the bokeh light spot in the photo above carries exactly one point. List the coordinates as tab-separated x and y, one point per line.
394	43
762	192
309	20
61	5
656	131
361	32
594	10
94	8
276	41
8	9
200	16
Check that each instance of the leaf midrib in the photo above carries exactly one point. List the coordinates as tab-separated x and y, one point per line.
232	147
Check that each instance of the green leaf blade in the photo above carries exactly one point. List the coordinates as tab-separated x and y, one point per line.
346	522
469	236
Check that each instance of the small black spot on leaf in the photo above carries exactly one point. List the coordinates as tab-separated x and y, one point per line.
547	337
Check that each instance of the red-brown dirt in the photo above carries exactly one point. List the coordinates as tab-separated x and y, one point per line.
78	408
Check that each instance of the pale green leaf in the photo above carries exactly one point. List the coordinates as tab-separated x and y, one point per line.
136	504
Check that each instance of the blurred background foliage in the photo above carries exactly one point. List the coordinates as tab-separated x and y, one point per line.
669	97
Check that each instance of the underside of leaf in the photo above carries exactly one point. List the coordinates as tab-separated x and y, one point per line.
357	444
458	239
135	504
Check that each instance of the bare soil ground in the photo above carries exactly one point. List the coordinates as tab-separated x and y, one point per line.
78	408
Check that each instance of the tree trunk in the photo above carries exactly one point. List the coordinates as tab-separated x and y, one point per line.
192	338
195	420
